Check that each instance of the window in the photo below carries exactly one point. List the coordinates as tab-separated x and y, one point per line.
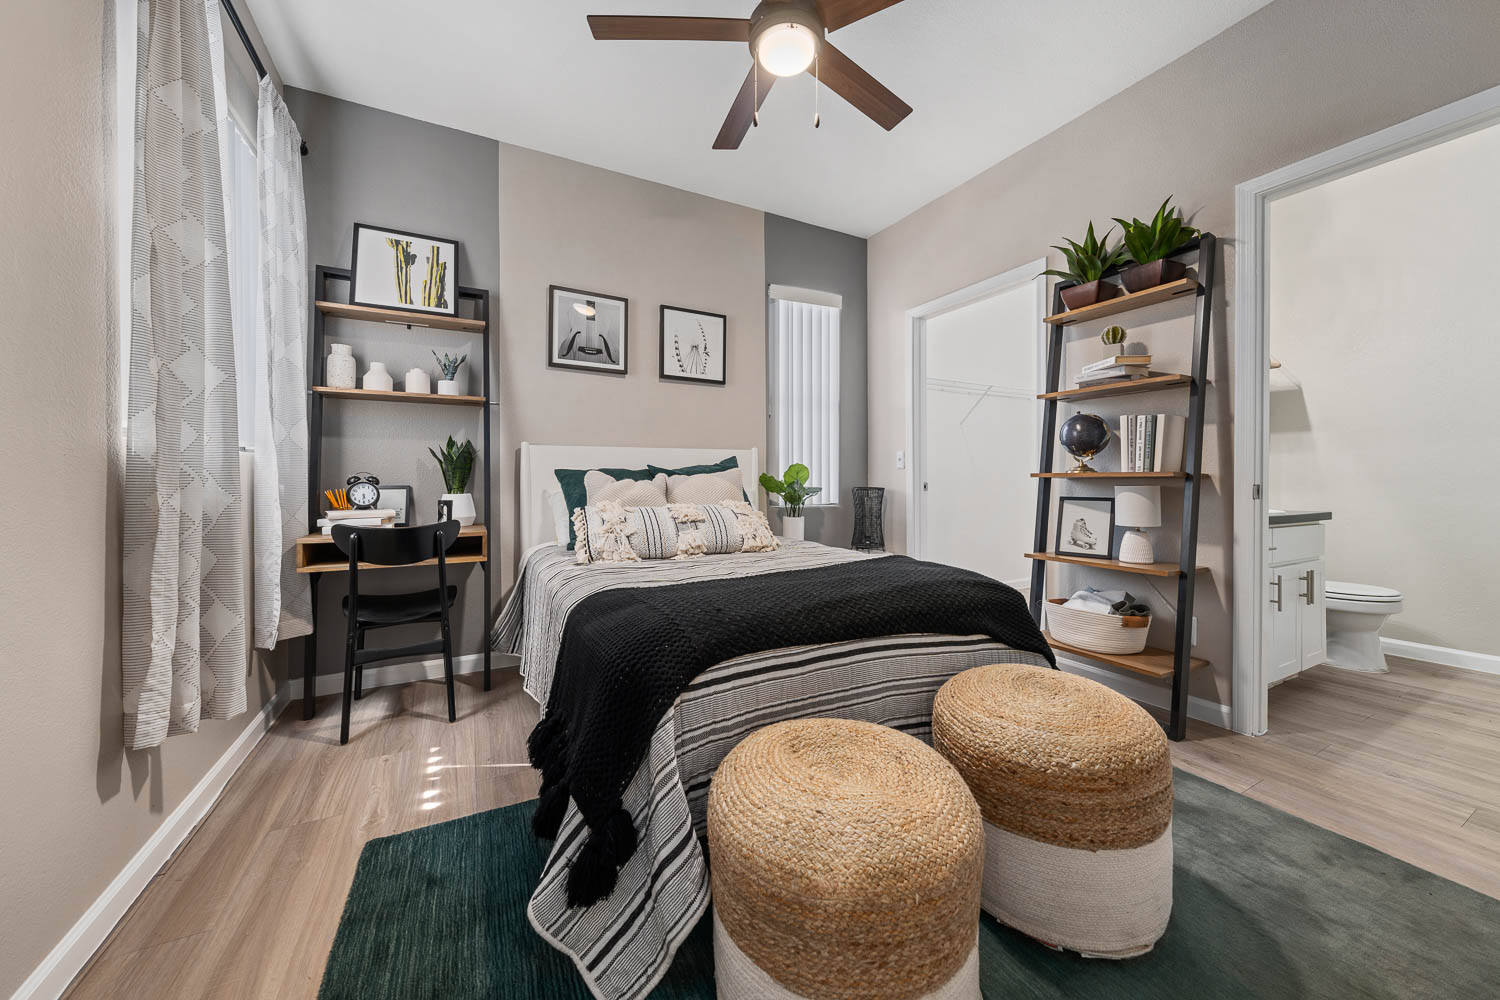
804	375
242	219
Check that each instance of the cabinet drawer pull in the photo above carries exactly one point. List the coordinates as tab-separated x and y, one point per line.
1277	585
1308	578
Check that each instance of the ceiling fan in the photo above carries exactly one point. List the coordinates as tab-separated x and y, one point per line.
786	37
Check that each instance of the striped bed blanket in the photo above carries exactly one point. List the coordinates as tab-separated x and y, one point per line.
623	945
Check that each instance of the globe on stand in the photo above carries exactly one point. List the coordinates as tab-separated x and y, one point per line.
1084	435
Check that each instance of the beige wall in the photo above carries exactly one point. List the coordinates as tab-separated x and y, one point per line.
77	807
1293	79
1385	411
565	223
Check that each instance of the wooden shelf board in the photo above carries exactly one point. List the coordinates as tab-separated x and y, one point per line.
313	552
1151	662
1143	569
1120	388
1124	303
1109	475
401	317
399	397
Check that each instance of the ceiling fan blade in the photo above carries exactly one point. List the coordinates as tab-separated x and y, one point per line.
687	29
837	13
742	111
844	77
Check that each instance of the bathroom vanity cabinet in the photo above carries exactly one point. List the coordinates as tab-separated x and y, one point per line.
1299	627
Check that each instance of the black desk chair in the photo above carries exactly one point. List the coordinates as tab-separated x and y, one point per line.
394	547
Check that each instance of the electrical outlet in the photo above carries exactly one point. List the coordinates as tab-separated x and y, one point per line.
900	459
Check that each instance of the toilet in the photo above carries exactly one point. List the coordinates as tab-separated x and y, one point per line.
1356	614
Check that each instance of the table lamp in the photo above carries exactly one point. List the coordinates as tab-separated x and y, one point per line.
1137	507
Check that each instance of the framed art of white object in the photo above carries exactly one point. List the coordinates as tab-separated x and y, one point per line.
586	331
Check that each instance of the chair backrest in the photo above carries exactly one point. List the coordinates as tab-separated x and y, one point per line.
396	546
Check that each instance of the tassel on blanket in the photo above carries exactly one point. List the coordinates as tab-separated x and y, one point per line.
551	807
690	541
547	747
592	875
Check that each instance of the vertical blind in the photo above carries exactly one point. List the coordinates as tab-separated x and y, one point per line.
805	392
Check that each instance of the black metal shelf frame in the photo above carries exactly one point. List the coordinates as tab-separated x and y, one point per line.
1192	458
315	401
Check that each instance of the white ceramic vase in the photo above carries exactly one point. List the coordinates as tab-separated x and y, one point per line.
340	371
791	527
417	381
463	506
378	378
451	386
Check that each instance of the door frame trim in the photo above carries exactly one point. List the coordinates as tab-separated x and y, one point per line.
916	372
1252	358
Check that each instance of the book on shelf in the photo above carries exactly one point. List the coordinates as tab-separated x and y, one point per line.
1119	361
388	520
1109	375
355	512
1151	442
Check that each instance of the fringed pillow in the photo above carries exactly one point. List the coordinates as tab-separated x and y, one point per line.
610	532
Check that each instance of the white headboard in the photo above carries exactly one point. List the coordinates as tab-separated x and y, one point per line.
539	460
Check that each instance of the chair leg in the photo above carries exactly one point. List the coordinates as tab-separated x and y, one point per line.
359	669
348	689
448	669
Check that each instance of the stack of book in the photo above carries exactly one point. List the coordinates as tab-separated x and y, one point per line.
379	518
1120	368
1151	442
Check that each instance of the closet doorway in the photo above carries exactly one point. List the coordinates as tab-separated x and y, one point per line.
976	369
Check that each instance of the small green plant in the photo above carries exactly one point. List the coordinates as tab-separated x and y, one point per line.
456	463
1087	261
1112	335
449	364
791	487
1164	235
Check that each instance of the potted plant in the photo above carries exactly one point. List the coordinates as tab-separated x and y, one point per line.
457	463
1149	244
794	492
1087	262
448	384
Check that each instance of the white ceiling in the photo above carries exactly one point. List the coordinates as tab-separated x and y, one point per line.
985	77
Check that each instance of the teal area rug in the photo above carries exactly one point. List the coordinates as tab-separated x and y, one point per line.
1265	905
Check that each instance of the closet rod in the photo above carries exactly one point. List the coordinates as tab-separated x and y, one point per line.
239	27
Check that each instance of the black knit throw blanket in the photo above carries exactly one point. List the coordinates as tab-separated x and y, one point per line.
627	654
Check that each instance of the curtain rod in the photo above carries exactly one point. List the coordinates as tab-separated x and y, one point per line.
239	27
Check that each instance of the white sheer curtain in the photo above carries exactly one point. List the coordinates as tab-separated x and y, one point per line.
183	628
805	391
283	597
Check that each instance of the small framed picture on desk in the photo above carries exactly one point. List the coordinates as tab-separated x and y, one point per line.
399	499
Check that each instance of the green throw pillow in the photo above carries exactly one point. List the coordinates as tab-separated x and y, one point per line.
570	481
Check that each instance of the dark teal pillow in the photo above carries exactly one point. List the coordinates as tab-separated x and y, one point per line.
698	470
570	481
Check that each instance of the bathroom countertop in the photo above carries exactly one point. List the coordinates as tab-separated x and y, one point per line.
1281	518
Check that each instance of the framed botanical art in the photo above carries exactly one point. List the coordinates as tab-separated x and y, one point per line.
586	331
396	270
1085	527
692	346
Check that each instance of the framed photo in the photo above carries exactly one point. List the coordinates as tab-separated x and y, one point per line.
396	270
1085	527
692	346
399	499
586	331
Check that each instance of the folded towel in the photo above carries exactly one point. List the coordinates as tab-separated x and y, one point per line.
1106	602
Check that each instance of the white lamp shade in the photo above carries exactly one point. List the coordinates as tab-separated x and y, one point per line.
1138	506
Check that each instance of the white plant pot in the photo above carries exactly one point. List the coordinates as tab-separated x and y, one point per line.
449	387
791	527
463	505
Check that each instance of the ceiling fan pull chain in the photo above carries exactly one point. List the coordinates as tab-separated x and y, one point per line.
755	112
817	85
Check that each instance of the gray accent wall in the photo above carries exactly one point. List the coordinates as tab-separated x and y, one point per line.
808	256
372	166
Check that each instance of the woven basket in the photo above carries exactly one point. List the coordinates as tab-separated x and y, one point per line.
846	860
1092	630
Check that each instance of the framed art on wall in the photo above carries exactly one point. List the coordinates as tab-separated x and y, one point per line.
692	346
586	331
396	270
1085	526
399	499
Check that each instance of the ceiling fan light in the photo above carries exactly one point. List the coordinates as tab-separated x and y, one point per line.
786	49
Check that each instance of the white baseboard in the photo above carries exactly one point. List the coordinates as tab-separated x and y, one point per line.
1148	693
73	952
387	674
1484	663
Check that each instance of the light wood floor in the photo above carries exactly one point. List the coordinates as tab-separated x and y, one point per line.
1408	762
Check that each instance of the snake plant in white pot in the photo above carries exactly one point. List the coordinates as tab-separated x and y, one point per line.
456	461
794	492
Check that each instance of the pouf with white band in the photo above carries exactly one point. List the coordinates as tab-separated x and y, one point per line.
1075	784
846	860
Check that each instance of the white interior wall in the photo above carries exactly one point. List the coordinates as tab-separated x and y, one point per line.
1380	310
980	434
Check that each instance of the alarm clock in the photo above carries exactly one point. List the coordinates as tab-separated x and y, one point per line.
364	491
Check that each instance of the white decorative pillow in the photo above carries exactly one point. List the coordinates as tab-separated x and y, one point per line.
706	488
610	532
601	487
558	505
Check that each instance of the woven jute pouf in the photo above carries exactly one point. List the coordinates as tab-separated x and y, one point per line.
846	860
1075	784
